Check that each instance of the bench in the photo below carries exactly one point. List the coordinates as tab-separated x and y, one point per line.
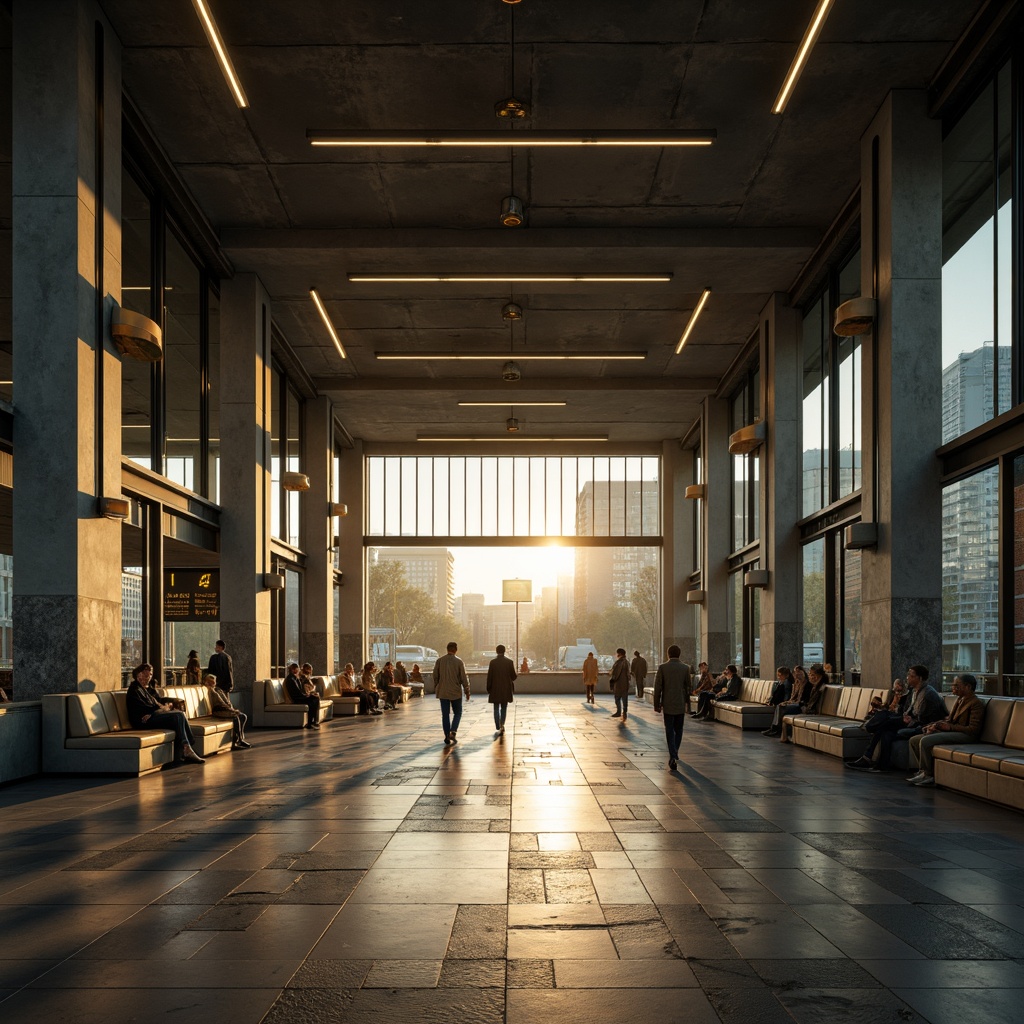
992	768
271	708
343	704
748	711
839	728
91	733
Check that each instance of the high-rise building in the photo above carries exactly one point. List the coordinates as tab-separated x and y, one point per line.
431	570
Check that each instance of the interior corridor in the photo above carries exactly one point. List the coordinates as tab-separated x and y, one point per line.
368	873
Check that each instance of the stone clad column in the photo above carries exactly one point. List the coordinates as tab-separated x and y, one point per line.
66	248
317	535
352	640
902	578
245	476
717	646
781	483
677	553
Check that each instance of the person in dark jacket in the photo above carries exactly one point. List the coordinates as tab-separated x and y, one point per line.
620	684
783	688
799	692
221	667
728	687
926	706
672	698
302	692
501	677
811	703
193	670
221	707
146	711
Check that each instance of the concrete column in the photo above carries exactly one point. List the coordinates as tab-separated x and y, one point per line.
352	642
677	555
781	468
66	247
245	476
902	581
716	642
317	534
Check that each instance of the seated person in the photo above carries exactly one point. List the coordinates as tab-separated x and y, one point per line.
367	683
885	715
728	687
386	685
705	680
812	698
783	688
146	711
302	691
416	676
962	725
348	687
799	692
221	706
925	706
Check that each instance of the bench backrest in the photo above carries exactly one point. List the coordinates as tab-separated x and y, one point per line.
91	714
325	686
196	698
274	692
997	719
1015	729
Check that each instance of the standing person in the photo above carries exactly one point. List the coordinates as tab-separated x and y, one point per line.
450	682
221	667
193	669
221	706
590	676
148	712
672	698
620	684
638	670
525	667
501	678
302	691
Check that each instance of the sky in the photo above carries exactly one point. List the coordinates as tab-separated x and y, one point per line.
481	570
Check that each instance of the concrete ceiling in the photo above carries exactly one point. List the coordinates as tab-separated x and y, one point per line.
742	217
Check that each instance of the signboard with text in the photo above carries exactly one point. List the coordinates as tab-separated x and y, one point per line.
191	595
517	590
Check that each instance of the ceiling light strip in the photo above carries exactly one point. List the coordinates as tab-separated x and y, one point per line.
506	439
503	357
315	296
226	67
516	403
691	323
509	278
806	45
520	138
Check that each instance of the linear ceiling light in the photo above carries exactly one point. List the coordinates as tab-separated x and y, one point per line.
509	278
226	67
520	138
518	404
502	357
705	295
514	438
315	295
806	45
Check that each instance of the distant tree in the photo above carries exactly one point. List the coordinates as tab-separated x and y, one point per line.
814	608
619	627
438	631
395	603
539	638
645	603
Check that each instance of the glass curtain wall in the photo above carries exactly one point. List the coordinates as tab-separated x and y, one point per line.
977	265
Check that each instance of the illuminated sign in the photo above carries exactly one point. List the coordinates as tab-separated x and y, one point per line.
517	590
191	595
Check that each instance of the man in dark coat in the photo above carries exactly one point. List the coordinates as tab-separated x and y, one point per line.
221	667
672	698
299	692
501	677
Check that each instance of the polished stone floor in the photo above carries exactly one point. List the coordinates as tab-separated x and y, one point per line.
368	873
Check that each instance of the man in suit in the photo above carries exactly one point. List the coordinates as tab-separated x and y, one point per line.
450	682
963	724
638	670
302	691
672	698
501	677
221	667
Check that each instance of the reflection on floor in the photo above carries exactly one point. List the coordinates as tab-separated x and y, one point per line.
369	873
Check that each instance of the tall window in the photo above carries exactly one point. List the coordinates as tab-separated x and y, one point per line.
831	390
977	265
285	457
745	409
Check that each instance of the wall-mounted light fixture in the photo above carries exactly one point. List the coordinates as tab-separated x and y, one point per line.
512	215
295	482
695	492
273	581
748	439
114	508
337	510
756	578
696	596
136	336
859	536
855	316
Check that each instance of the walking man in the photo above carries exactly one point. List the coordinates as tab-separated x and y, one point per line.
620	684
450	682
501	677
672	698
638	670
221	667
